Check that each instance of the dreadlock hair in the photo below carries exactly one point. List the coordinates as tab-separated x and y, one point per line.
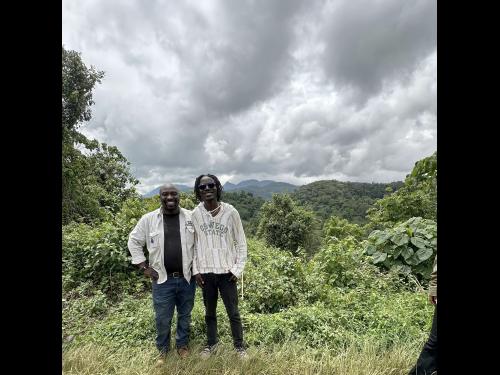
217	185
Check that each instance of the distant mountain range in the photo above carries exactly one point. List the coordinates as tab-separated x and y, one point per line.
345	199
263	189
349	200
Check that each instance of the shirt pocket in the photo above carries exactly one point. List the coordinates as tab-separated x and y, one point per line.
154	242
154	248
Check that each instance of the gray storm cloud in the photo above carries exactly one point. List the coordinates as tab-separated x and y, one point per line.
287	90
370	42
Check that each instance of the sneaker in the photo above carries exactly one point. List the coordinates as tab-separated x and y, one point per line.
208	350
242	353
183	351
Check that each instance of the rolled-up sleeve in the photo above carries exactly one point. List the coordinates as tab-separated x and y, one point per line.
136	241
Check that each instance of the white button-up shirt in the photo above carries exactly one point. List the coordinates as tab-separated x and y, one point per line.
149	231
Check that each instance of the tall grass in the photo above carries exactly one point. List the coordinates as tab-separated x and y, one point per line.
291	358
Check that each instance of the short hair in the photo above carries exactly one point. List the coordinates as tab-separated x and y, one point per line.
217	185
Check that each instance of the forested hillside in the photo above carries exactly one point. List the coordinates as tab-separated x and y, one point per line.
349	200
263	189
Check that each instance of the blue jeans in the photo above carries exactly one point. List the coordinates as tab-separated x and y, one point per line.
175	292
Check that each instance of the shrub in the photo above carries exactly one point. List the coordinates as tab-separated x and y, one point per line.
342	264
99	254
283	223
340	228
406	248
273	279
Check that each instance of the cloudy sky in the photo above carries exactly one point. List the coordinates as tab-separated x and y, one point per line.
289	90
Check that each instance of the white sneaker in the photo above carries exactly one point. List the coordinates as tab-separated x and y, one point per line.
208	351
242	353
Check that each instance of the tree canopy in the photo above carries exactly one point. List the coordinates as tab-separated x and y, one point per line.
417	197
285	224
348	200
95	177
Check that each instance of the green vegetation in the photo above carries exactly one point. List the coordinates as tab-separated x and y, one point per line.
417	197
95	177
348	200
408	248
262	189
337	299
290	358
285	224
315	299
340	228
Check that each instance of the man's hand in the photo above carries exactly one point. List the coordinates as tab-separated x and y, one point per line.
199	280
232	277
433	300
150	272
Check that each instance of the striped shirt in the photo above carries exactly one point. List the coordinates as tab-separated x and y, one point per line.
220	243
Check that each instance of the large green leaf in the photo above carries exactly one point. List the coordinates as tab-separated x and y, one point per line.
397	251
407	253
384	236
418	242
378	257
374	234
424	253
413	260
388	248
370	249
400	239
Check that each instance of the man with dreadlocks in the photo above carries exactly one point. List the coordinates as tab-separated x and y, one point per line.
219	258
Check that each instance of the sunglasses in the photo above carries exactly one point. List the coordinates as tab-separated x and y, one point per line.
206	186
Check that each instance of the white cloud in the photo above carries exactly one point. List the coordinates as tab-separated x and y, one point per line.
290	91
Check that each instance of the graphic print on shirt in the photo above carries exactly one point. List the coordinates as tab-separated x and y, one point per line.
213	228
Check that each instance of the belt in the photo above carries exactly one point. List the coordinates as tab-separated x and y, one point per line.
175	274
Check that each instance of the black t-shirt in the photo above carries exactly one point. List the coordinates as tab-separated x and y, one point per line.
173	247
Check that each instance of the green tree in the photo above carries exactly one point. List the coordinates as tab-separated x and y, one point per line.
285	224
95	177
341	228
417	198
78	82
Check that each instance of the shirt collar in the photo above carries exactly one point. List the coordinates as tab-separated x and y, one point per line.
160	211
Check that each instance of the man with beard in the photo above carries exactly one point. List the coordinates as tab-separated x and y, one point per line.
168	235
